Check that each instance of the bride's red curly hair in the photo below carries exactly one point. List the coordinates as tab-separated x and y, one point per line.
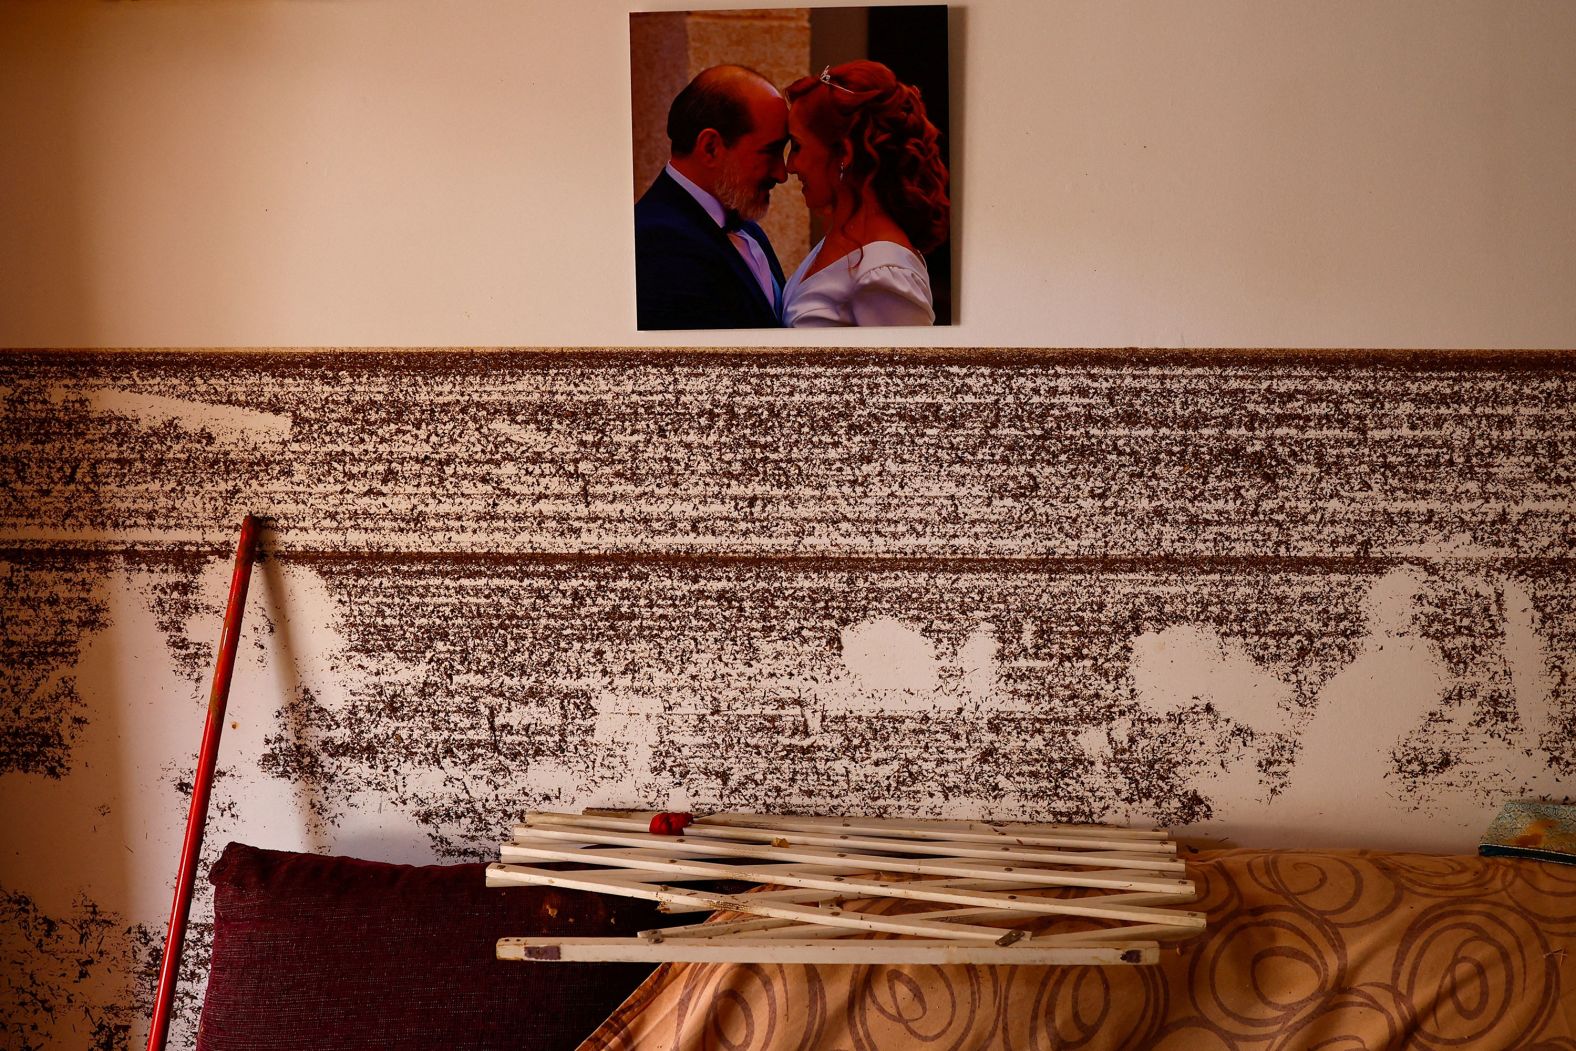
895	148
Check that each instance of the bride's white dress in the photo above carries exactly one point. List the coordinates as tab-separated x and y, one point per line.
884	284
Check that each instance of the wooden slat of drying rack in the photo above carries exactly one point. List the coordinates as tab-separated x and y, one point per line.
967	888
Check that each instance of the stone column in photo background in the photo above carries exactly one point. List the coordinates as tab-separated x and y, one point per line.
669	48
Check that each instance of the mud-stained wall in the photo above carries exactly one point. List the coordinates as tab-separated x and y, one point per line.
1278	599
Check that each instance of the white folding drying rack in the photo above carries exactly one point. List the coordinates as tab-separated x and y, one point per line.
969	892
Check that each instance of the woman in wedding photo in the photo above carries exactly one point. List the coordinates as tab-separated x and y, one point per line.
870	168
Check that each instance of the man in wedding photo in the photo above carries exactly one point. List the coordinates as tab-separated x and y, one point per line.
701	259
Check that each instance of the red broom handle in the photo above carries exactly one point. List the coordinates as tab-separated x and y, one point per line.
207	759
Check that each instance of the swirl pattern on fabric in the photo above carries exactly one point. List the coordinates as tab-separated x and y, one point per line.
1327	950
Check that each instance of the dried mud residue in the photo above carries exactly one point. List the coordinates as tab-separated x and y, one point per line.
482	688
1030	454
65	981
1504	643
626	579
186	617
51	607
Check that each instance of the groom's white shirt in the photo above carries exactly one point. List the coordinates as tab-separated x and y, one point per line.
754	257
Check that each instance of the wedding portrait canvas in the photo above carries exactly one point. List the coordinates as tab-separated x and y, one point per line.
792	168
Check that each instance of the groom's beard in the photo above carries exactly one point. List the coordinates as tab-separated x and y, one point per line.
747	200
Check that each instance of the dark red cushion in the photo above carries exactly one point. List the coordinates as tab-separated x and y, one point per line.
328	953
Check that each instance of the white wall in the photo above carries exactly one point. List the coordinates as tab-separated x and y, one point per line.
1217	173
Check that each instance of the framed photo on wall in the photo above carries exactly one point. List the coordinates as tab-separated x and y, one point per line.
791	168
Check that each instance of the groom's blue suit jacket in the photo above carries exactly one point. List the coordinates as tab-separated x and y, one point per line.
687	273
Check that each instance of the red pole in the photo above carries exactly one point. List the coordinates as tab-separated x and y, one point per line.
245	552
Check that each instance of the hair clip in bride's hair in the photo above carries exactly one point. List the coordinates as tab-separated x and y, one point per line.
826	78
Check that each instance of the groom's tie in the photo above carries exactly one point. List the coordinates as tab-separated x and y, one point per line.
754	258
